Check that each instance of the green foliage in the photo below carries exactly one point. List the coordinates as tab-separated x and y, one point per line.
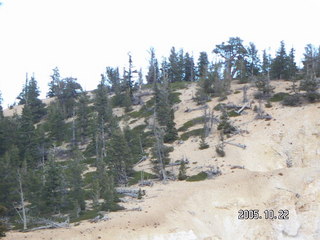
55	124
291	100
86	215
278	97
174	98
280	64
171	133
53	190
74	176
30	97
219	106
203	144
233	113
136	177
84	118
135	142
231	51
226	127
263	85
3	227
119	157
198	177
27	141
268	105
190	123
153	74
203	65
101	102
182	171
174	86
312	96
195	133
310	84
220	151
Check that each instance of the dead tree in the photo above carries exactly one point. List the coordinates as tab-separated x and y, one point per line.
22	201
245	97
158	134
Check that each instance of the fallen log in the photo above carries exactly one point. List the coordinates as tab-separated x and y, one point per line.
234	106
237	167
127	190
146	183
100	218
243	107
243	146
196	109
51	225
135	209
135	193
267	117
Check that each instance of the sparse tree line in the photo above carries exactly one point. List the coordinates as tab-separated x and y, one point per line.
45	150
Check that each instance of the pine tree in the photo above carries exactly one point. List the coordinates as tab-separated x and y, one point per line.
153	70
266	63
182	171
133	140
129	82
67	99
119	158
113	78
230	52
9	163
52	193
55	124
3	227
175	71
104	188
189	70
253	59
162	104
292	68
83	117
1	109
171	133
280	64
203	65
311	61
76	192
27	138
101	101
55	85
30	96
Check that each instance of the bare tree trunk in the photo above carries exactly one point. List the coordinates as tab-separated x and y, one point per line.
103	150
24	216
73	129
141	148
245	97
157	135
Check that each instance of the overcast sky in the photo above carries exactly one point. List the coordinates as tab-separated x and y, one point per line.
83	37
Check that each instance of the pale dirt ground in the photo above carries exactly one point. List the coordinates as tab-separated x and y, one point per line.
209	209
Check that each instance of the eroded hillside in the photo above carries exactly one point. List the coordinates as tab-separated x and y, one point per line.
278	169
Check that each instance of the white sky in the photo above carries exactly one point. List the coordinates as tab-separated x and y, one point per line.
83	37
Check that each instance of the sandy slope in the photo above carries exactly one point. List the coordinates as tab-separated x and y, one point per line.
209	209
